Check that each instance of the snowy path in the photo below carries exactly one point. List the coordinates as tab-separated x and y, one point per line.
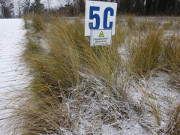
12	70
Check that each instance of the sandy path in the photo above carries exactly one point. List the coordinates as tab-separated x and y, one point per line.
13	73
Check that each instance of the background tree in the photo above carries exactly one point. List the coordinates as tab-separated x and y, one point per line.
37	7
126	6
149	7
20	8
8	8
25	4
81	5
49	2
68	9
67	2
139	7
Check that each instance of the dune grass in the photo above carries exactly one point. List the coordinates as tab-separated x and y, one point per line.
172	53
146	53
61	67
76	53
41	112
38	22
174	122
131	22
27	19
58	69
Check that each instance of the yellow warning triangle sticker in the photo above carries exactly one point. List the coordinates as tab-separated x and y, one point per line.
101	34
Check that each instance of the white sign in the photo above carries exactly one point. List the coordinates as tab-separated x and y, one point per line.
100	15
101	37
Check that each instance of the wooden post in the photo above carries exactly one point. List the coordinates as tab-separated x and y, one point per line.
99	52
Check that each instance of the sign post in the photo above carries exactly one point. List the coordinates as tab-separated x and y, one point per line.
100	22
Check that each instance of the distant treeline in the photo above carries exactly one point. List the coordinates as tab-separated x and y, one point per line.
149	7
137	7
75	7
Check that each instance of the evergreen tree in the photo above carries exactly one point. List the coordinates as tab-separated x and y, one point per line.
139	7
37	7
82	6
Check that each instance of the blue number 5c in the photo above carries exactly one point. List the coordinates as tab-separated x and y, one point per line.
109	9
94	16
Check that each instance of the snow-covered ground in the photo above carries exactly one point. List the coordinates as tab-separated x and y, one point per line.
12	70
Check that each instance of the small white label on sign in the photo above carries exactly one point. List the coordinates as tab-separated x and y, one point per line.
101	37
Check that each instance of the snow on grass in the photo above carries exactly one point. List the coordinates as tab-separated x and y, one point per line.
155	91
137	106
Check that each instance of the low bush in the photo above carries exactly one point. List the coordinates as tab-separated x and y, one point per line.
146	25
172	53
174	122
146	53
27	19
131	22
37	23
